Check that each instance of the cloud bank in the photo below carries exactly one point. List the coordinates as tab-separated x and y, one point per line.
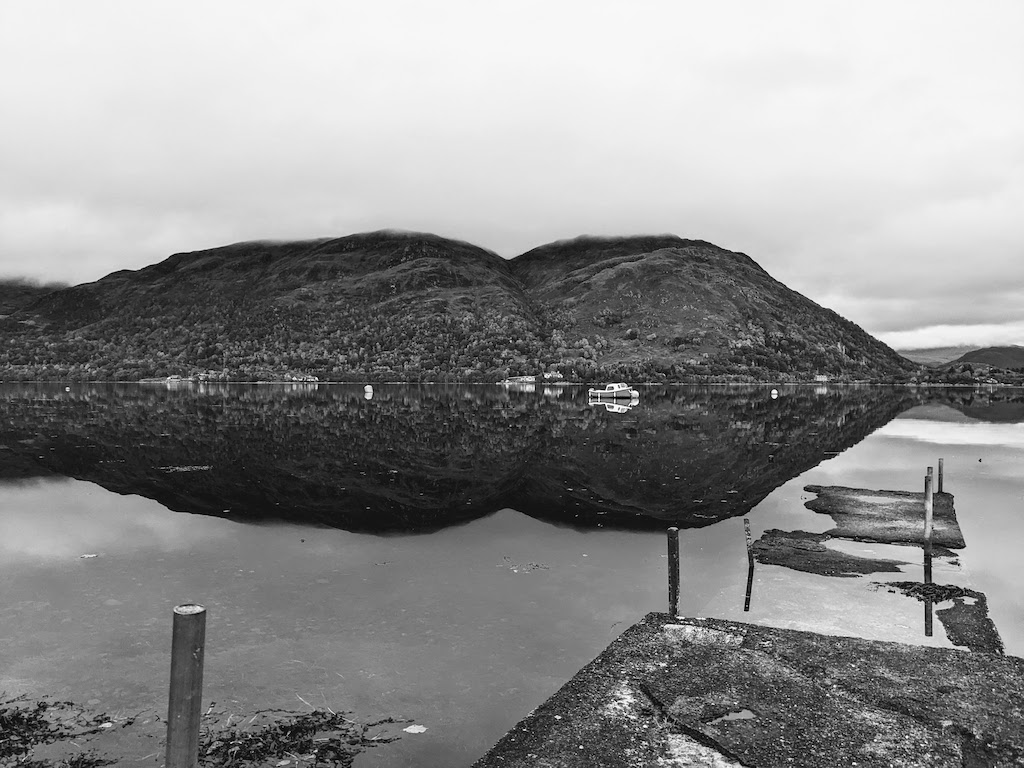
869	156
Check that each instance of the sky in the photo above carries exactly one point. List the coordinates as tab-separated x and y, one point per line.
869	155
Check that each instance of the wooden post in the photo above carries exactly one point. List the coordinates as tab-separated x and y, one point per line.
928	509
939	489
188	642
750	562
673	571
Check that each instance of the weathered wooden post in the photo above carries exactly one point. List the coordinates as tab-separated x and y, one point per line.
673	571
940	476
188	642
750	563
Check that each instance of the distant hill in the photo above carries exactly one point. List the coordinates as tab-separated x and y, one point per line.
1000	357
936	355
410	306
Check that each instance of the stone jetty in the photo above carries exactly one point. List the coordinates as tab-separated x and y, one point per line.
704	692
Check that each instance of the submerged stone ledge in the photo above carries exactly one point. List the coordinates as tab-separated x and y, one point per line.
963	612
684	691
803	551
887	517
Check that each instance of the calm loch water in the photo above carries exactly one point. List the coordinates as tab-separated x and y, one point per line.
450	555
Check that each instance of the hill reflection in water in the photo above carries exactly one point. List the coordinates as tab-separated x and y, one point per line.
420	457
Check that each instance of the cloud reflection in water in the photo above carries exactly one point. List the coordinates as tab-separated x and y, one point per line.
56	519
948	433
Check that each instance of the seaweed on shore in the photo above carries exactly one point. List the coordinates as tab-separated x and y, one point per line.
282	737
321	738
25	725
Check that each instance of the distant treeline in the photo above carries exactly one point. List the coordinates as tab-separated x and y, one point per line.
356	343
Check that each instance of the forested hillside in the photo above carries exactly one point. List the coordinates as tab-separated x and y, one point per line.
413	307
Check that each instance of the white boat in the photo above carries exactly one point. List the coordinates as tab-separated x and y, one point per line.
619	390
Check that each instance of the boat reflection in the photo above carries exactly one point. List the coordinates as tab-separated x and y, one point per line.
614	406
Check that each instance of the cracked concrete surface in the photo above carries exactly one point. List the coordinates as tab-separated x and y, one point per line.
662	693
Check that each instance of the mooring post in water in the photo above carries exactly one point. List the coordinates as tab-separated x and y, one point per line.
939	489
188	642
750	562
928	509
673	571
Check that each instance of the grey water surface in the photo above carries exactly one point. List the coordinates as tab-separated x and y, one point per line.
449	555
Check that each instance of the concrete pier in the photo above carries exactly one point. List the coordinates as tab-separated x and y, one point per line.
686	692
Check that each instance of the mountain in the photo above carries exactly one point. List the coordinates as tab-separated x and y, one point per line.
1000	357
409	306
935	355
693	307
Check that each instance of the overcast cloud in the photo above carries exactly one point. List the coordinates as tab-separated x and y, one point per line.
869	155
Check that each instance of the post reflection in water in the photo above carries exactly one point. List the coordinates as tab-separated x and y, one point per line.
750	585
927	592
750	563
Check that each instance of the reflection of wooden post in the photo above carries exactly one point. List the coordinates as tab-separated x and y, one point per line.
928	509
673	571
939	489
750	584
188	641
927	596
